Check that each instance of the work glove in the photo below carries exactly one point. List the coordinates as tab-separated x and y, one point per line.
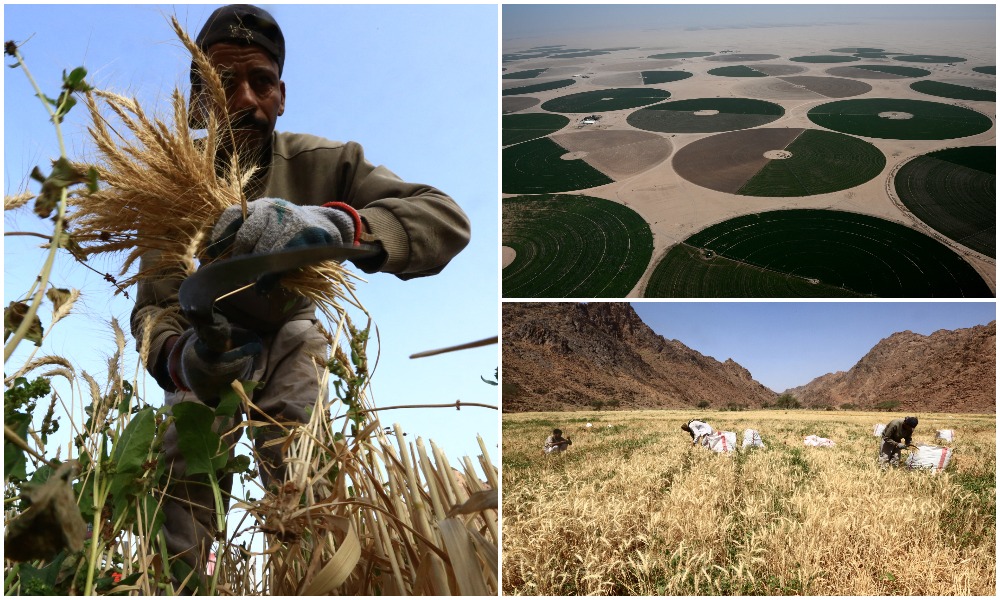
901	445
272	224
194	365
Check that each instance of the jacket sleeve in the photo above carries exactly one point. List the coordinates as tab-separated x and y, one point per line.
156	318
420	227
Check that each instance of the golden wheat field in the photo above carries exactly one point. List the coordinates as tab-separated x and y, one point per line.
633	509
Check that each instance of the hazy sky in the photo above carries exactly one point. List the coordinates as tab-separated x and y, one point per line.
787	344
415	85
520	20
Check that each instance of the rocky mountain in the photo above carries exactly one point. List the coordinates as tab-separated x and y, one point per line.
572	356
947	371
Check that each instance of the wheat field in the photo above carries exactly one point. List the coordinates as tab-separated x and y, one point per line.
633	509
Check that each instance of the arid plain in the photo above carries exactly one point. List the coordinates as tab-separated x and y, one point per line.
654	176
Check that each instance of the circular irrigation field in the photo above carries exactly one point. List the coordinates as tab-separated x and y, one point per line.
742	57
676	55
954	192
826	58
755	71
538	87
605	100
704	115
521	128
573	247
900	119
803	87
812	253
779	162
515	103
579	160
878	72
951	90
928	58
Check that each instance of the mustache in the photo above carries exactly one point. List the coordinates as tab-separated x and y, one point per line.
247	120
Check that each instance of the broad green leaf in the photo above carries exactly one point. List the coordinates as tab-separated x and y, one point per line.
134	445
200	445
14	461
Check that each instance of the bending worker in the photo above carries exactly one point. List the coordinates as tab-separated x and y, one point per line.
306	190
698	430
898	434
556	442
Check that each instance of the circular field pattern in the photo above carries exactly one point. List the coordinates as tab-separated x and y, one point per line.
878	72
742	57
931	120
655	77
803	87
573	247
676	55
950	90
857	50
529	74
705	115
814	162
812	253
538	87
928	58
992	70
736	71
521	128
824	59
515	103
954	192
605	100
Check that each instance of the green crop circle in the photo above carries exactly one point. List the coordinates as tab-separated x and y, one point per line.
538	87
605	100
954	192
928	58
950	90
570	246
537	167
926	121
812	253
521	128
691	116
824	59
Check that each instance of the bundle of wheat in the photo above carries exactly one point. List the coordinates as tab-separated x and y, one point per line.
163	188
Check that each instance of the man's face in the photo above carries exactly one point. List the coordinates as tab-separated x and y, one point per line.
254	92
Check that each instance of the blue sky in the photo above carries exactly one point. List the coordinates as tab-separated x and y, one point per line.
415	85
787	344
539	19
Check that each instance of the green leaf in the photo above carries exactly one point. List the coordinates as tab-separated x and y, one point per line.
14	315
200	445
14	461
74	81
239	464
229	401
133	447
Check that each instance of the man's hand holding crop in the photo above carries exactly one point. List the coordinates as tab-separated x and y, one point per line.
205	369
273	224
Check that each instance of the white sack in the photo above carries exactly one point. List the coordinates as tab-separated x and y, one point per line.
752	439
879	429
947	435
721	441
928	456
815	440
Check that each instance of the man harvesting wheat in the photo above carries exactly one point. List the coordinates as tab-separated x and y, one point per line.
698	430
305	190
556	443
898	434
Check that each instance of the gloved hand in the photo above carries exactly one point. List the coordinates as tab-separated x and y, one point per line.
273	224
901	445
195	367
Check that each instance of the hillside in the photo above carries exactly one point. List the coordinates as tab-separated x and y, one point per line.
947	371
569	356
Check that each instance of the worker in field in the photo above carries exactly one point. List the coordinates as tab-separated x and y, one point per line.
898	434
698	430
556	443
306	190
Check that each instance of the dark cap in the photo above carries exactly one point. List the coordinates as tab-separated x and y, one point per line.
910	421
244	24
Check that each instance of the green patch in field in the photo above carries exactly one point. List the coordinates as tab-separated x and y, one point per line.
824	59
538	167
580	54
950	90
992	70
605	100
704	115
573	246
521	128
654	77
820	162
786	250
970	518
529	74
900	119
928	58
736	71
538	87
871	55
670	55
857	50
894	70
954	192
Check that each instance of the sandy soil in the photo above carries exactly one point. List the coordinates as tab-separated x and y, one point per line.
507	255
675	208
